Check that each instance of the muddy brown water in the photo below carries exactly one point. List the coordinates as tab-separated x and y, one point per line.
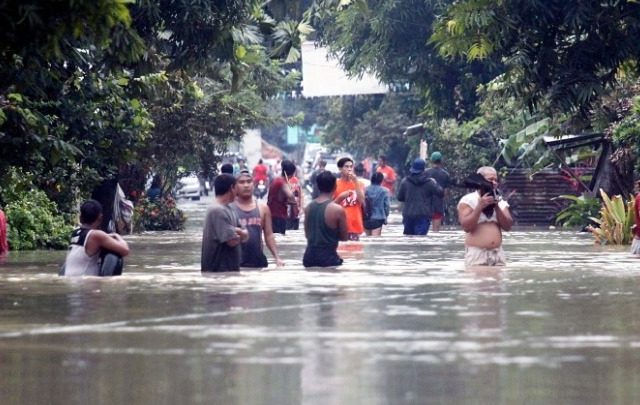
402	322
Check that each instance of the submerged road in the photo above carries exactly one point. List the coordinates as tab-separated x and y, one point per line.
402	322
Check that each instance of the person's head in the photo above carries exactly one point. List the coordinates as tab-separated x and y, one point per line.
376	178
223	184
345	165
637	186
226	168
90	212
436	158
244	184
326	182
260	161
322	164
288	168
489	173
417	166
382	160
359	170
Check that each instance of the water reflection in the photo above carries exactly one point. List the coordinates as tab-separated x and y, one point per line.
400	322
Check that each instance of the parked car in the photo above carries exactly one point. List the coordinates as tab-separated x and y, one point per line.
189	187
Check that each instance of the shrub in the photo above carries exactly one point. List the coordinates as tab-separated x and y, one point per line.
616	219
579	211
158	215
34	223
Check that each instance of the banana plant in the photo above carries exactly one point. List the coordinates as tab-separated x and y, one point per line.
615	222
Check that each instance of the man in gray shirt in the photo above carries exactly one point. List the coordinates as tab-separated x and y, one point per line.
222	234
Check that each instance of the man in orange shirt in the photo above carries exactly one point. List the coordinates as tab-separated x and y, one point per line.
349	194
389	174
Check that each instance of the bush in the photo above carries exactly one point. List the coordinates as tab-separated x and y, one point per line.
158	215
579	212
616	219
34	223
34	220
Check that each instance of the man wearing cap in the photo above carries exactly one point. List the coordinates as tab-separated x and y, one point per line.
255	217
444	180
417	192
222	233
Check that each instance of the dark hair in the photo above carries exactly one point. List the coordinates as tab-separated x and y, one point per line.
344	160
322	163
288	167
223	183
90	210
260	161
382	157
226	168
376	178
326	182
359	169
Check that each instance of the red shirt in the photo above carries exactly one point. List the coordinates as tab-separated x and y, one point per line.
260	173
277	200
389	180
352	207
636	230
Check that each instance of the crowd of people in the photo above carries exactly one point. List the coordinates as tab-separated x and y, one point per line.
343	207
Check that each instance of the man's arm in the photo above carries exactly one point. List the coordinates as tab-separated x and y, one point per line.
112	242
401	191
267	230
341	218
503	215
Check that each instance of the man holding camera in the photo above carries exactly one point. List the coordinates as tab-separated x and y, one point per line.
483	215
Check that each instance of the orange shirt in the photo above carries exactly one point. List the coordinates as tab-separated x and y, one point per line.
389	180
352	207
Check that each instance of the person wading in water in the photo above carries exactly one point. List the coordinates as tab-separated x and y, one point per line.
325	225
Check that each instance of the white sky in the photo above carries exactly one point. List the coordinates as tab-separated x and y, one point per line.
322	76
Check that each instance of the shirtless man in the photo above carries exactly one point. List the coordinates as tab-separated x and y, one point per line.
255	217
483	239
325	225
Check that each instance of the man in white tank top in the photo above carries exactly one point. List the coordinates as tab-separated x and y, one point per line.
88	241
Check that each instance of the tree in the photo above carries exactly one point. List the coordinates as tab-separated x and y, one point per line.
564	52
390	39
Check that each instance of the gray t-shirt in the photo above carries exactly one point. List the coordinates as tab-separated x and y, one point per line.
219	227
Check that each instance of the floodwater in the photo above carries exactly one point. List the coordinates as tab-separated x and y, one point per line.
402	322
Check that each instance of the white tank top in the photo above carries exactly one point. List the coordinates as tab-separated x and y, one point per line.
78	263
472	200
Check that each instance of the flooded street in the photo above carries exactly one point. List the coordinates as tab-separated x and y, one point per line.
401	322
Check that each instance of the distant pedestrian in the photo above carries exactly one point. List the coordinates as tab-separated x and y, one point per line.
360	174
349	193
416	192
389	174
444	180
222	233
4	244
255	217
280	197
324	226
376	200
635	245
294	210
321	168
